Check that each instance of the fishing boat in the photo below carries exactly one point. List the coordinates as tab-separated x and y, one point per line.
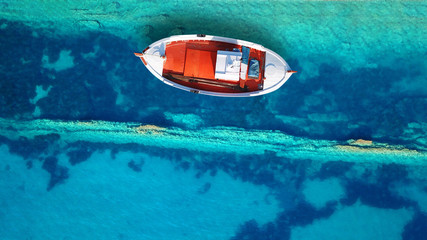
216	66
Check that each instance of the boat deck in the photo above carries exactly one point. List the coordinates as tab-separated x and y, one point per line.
192	63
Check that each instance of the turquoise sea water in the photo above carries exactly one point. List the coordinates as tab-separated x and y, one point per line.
92	146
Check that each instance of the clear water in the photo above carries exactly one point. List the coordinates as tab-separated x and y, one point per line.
94	147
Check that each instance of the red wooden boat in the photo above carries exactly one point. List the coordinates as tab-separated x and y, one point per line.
216	66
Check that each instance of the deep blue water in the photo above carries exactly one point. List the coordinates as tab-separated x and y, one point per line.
373	87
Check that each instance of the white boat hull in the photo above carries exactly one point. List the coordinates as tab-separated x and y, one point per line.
277	71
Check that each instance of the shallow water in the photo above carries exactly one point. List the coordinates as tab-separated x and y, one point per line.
94	147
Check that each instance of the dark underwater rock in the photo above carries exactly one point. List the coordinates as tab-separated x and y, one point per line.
58	174
136	166
79	155
416	229
204	189
32	147
333	169
29	164
376	195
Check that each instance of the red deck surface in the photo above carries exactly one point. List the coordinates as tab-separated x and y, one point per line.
196	59
200	64
175	58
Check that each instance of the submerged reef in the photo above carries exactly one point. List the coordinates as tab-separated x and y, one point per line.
216	140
